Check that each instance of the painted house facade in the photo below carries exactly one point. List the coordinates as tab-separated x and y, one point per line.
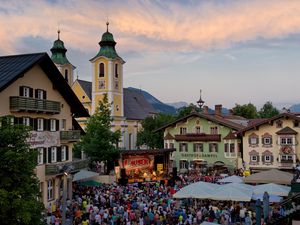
35	94
272	143
203	139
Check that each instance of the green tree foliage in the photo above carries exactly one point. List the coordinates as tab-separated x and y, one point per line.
148	136
268	110
100	143
19	189
184	111
248	111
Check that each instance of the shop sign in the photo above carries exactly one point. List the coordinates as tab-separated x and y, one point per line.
199	155
43	139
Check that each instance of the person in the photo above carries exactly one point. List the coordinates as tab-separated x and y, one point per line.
85	222
248	220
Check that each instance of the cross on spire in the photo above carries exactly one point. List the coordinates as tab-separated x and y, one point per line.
58	34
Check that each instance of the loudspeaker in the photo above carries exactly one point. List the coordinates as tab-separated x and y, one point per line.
174	172
123	181
123	173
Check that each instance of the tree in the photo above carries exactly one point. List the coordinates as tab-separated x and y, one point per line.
148	135
100	143
248	111
268	110
19	186
186	110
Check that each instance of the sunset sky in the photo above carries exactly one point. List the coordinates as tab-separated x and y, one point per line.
235	51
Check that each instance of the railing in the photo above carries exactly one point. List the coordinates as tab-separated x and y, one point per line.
70	135
56	168
286	163
18	103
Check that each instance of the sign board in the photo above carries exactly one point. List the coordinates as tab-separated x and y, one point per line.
44	139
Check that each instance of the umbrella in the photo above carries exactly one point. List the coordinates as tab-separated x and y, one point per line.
233	192
91	183
272	189
272	198
208	223
199	190
231	179
83	175
270	176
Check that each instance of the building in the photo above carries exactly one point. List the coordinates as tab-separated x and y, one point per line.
129	106
33	91
203	139
272	143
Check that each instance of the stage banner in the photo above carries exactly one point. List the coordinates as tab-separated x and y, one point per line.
138	164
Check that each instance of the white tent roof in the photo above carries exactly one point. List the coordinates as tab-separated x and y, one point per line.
270	176
83	175
272	189
200	190
233	192
272	198
231	179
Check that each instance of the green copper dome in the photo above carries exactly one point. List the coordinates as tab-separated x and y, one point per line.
107	47
59	52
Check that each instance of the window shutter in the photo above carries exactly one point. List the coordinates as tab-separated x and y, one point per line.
31	122
46	125
36	94
271	140
249	140
16	120
195	145
57	125
49	124
257	156
272	158
257	140
58	154
180	147
263	140
263	158
21	92
216	147
44	94
49	155
35	123
44	155
67	153
30	92
210	147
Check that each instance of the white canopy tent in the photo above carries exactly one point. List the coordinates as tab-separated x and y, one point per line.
233	192
272	189
231	179
84	175
199	190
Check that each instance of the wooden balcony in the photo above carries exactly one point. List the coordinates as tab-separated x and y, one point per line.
18	104
70	135
57	168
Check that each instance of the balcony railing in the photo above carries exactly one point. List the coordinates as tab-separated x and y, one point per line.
286	163
57	168
70	135
18	103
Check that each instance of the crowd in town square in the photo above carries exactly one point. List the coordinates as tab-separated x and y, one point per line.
146	204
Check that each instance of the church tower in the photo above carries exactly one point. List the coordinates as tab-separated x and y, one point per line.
60	60
107	69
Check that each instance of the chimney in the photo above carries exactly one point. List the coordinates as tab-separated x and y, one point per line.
205	109
218	110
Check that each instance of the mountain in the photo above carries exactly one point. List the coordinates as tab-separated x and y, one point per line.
178	105
158	105
295	108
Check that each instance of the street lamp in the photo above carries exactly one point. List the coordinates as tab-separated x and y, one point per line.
200	102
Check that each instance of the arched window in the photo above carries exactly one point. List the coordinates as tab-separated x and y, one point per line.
101	70
66	75
116	71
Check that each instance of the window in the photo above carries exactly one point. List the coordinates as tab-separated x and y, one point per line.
101	84
183	164
286	141
198	147
182	130
40	94
63	124
63	153
50	192
171	145
166	145
267	158
253	140
279	124
183	147
232	148
52	125
267	140
213	147
296	123
26	91
40	124
214	130
116	71
288	158
254	158
198	130
101	70
66	75
226	149
40	156
26	121
53	154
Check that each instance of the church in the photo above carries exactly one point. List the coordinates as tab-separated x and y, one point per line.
128	106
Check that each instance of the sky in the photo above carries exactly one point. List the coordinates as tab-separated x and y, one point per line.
235	51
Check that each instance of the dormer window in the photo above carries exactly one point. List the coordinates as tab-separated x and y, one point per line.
198	130
116	71
278	124
213	130
101	70
296	123
26	92
182	130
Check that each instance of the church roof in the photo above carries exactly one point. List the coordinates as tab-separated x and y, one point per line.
15	66
136	107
